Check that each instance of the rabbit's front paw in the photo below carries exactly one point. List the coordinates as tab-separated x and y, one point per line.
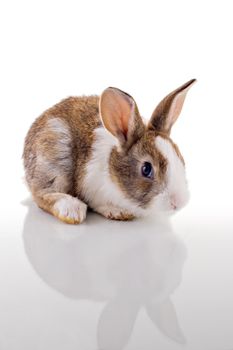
70	210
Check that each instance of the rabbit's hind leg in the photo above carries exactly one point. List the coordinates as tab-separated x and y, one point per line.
49	166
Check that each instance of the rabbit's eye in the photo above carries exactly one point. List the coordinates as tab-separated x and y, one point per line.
147	170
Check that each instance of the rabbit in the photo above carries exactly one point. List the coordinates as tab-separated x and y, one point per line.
97	152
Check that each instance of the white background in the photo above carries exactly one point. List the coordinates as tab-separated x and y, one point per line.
53	49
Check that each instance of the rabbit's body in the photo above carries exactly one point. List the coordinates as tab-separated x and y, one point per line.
67	151
72	161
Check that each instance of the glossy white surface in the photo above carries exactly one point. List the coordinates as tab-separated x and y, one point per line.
143	285
112	285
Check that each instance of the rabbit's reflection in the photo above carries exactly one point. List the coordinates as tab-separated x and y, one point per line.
126	265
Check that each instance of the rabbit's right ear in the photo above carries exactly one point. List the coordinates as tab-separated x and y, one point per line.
120	116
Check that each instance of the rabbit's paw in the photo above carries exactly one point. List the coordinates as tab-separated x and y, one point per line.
70	210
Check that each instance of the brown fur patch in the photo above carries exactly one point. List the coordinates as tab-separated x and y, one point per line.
125	169
123	216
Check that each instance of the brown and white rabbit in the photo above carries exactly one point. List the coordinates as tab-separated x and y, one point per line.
98	153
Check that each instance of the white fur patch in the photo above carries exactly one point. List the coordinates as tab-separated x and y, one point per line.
70	208
98	187
58	125
58	162
176	194
63	144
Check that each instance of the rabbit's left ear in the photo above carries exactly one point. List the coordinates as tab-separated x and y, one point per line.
168	110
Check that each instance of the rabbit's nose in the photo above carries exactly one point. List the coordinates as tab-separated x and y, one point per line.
173	202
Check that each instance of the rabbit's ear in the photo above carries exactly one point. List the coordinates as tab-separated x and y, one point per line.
116	323
163	315
168	110
120	116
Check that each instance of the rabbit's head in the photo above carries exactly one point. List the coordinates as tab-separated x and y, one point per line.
146	165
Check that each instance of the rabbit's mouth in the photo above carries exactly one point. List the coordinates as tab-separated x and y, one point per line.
170	203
